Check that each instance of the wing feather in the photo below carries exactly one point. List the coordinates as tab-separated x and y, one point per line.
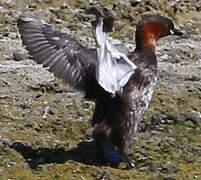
111	74
64	56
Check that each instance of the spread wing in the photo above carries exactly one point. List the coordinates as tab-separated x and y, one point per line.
64	56
112	74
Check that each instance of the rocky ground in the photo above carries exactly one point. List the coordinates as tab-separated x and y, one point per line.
43	123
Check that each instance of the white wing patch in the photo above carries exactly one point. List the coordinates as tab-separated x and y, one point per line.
111	75
55	38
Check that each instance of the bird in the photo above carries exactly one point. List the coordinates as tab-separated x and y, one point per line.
121	85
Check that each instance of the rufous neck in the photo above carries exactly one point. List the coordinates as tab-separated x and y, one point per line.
148	35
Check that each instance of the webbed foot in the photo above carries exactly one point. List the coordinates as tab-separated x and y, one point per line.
129	162
114	158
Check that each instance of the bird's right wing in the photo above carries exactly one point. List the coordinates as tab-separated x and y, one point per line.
64	56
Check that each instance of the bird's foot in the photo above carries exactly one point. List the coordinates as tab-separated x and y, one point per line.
129	162
112	156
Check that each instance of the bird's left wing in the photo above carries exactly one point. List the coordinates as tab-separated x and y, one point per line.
111	74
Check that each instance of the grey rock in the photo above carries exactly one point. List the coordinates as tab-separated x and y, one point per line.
192	117
48	1
19	56
101	174
192	78
32	6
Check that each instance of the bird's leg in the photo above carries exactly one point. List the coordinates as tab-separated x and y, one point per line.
100	152
108	155
97	137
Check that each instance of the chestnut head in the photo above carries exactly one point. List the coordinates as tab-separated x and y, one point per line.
153	27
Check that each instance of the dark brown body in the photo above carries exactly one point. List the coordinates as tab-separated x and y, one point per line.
116	119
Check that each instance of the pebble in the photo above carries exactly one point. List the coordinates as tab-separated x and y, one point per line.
3	96
75	171
100	174
9	20
64	6
173	168
164	57
18	56
32	6
192	117
12	35
48	1
1	8
1	170
192	78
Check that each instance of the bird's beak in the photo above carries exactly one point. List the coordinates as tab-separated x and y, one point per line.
176	32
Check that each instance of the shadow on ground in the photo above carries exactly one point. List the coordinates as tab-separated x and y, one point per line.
85	152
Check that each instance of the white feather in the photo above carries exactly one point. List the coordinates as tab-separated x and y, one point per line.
111	75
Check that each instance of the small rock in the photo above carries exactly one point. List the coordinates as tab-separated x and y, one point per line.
153	169
101	174
48	1
18	56
58	21
75	171
172	167
192	78
8	1
64	6
1	8
28	123
89	132
164	57
1	170
8	19
52	9
192	117
12	35
173	117
32	6
3	96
